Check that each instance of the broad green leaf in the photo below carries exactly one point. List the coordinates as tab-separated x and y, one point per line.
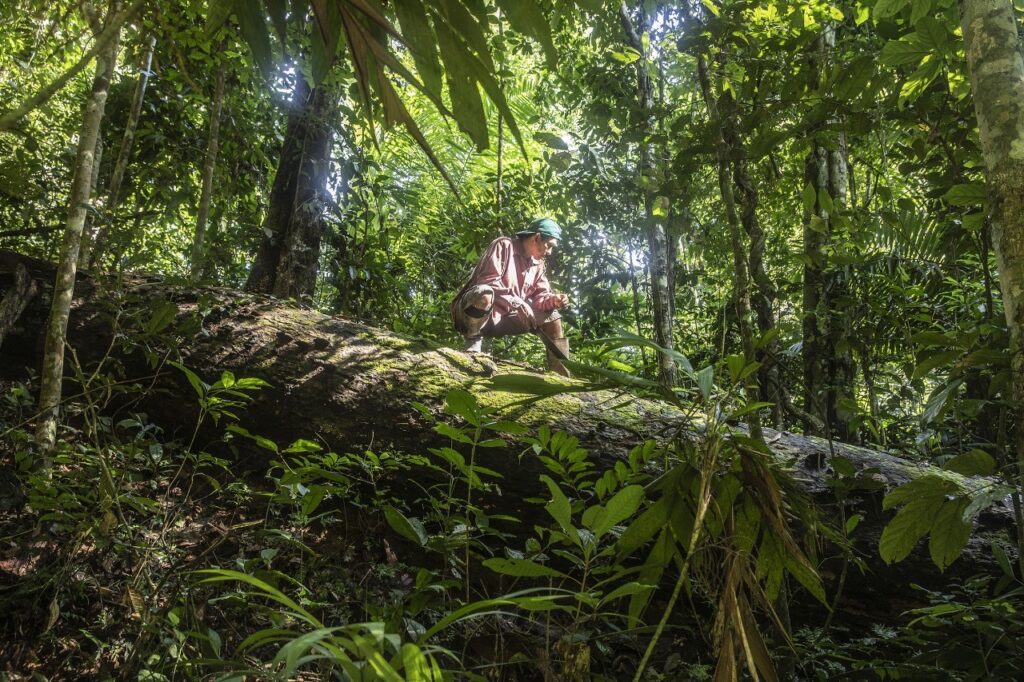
940	359
409	528
455	434
163	315
949	533
933	34
888	8
705	381
937	401
973	463
901	52
967	194
644	527
810	197
622	506
522	568
462	404
626	590
908	526
927	487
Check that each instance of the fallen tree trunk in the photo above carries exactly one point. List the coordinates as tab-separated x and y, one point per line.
349	387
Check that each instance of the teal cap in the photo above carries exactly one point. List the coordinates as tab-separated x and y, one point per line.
544	226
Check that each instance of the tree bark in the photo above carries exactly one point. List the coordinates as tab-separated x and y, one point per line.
293	225
350	387
827	357
741	278
93	245
657	241
993	50
53	358
298	265
209	164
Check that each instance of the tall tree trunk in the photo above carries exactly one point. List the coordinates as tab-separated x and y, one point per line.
53	353
741	280
93	245
297	268
996	68
206	195
769	381
282	193
657	241
827	357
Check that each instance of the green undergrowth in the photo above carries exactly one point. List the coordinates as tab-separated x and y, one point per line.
139	554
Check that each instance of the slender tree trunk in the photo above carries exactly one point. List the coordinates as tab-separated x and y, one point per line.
93	245
657	241
53	354
739	255
768	355
827	357
993	51
206	196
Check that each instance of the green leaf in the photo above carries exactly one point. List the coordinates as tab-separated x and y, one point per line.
559	507
888	8
705	381
929	487
973	463
908	526
453	433
901	52
163	315
933	34
419	35
467	108
201	388
937	401
261	441
526	17
644	527
622	506
409	528
254	30
462	404
530	384
522	568
949	533
628	56
940	359
966	194
810	196
626	590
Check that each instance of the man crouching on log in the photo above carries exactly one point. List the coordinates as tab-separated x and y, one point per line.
508	293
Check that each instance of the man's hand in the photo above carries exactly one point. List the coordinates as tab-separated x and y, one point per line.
562	301
525	310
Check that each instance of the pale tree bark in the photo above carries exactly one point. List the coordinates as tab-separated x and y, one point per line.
993	51
657	241
111	33
53	353
206	196
93	244
741	278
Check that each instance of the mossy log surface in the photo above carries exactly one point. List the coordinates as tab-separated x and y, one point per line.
350	387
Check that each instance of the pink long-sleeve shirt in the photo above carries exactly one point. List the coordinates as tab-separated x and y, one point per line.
514	275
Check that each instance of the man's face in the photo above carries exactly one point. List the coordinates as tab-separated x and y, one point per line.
539	246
